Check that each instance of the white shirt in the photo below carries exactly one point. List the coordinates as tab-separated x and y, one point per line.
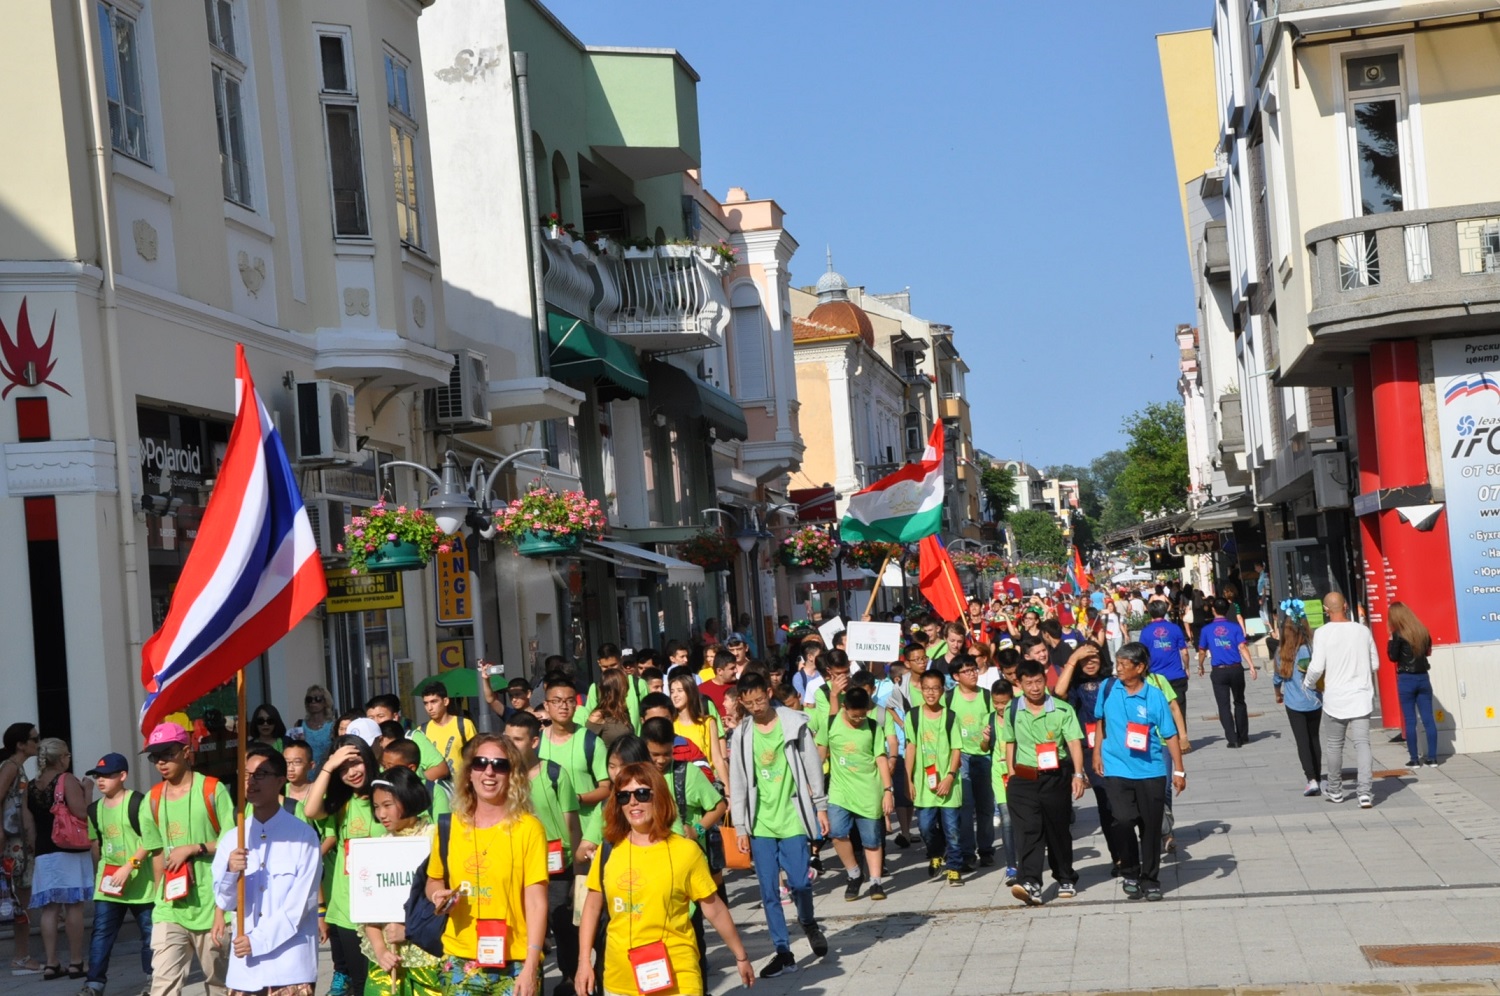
282	872
810	690
988	678
1344	653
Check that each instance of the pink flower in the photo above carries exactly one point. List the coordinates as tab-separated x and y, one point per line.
353	571
444	548
401	509
369	548
340	548
390	537
359	534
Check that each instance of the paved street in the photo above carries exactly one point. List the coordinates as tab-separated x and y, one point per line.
1269	890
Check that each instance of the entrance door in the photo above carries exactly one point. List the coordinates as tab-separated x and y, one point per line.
638	626
1301	568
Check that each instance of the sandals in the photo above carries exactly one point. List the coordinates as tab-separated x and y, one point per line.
25	966
50	972
75	970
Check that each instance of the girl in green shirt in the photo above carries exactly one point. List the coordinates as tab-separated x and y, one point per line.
396	966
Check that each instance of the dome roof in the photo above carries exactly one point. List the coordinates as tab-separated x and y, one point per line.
831	286
846	316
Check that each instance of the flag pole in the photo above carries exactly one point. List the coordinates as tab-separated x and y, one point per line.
963	601
879	580
239	726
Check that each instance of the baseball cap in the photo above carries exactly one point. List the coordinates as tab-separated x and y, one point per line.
735	639
110	764
166	735
365	728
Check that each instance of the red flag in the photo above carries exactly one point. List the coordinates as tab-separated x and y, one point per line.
1081	572
939	581
1011	586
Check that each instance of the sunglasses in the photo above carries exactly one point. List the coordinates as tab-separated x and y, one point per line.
640	795
499	765
315	700
264	721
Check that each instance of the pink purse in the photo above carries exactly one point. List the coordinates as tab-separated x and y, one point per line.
68	831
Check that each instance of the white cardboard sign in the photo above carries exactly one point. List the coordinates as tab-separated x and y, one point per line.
380	872
830	629
871	641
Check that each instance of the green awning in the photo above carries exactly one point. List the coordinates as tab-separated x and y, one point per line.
680	393
583	354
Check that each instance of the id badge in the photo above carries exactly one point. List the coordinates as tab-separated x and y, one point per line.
177	883
105	887
1137	736
932	778
554	857
491	947
1046	756
1091	731
652	967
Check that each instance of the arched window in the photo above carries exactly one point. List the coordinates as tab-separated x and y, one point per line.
559	184
752	373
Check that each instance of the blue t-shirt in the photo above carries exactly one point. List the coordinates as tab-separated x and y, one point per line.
1166	643
1222	639
1119	708
1096	599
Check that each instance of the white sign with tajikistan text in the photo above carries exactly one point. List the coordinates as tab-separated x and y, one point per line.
873	642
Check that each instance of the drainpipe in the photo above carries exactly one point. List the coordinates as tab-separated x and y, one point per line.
99	165
534	210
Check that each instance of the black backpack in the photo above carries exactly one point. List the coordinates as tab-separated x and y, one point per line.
133	811
424	924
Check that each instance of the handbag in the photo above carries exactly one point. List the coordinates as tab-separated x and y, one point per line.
68	832
732	856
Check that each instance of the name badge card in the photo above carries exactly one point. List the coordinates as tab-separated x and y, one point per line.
554	857
177	883
1137	736
653	968
106	887
1091	731
491	949
1046	756
932	778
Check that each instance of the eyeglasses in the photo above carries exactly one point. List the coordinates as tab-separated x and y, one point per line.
640	795
315	700
263	775
567	701
264	721
499	765
967	669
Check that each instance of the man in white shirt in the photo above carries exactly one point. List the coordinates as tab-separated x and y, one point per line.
278	953
1344	656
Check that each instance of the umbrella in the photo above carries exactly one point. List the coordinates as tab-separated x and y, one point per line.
461	683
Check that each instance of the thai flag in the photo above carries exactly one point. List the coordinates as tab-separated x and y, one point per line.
252	574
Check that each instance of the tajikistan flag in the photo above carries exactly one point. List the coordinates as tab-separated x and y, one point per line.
903	507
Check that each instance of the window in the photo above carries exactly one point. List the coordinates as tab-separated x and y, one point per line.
346	171
1376	115
403	151
751	371
229	101
122	82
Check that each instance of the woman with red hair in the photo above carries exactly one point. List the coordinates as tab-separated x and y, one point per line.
650	877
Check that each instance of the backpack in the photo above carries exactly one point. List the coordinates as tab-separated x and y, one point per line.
133	807
424	924
916	717
210	786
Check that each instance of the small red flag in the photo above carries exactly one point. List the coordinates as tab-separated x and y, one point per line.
939	580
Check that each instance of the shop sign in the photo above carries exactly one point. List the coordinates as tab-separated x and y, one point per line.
450	655
1185	544
362	592
1466	374
450	577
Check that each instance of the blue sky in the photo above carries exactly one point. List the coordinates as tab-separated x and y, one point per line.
1009	162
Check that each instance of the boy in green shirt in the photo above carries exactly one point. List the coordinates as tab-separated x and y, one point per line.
581	753
859	788
1002	694
933	763
700	806
124	836
972	709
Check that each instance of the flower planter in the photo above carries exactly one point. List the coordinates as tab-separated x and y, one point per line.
676	252
389	558
544	543
631	252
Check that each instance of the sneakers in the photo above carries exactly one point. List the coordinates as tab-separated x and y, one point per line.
1429	761
851	891
340	986
877	891
781	962
816	938
1010	876
902	840
1412	764
1334	796
1031	895
1153	893
1132	888
954	878
1365	802
934	865
1066	890
1313	788
986	861
967	867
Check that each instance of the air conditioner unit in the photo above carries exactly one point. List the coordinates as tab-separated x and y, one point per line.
324	414
464	405
328	517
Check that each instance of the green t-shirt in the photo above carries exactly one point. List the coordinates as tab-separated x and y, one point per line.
775	813
118	843
854	778
973	716
934	746
553	804
998	771
354	822
1057	723
572	754
185	821
697	791
635	690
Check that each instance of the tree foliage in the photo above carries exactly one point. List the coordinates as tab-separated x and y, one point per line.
1038	536
1155	478
999	487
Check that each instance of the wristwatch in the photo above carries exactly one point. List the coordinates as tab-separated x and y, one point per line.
1079	774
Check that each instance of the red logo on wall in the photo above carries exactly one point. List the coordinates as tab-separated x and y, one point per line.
24	363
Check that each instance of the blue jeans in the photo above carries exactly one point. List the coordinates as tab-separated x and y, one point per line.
772	856
1415	692
107	920
946	844
978	807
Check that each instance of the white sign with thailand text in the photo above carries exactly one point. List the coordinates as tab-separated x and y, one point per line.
380	870
873	642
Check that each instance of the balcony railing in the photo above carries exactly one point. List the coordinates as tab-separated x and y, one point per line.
875	471
1405	273
671	297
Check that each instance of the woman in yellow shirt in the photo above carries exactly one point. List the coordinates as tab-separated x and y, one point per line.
650	877
694	722
494	887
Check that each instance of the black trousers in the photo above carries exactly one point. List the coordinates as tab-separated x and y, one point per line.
560	922
1309	745
1229	681
1039	812
1180	687
1115	833
356	965
1138	805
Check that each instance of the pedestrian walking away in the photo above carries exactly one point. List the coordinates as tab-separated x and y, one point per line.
1222	644
1345	658
61	880
1304	706
1409	645
1169	651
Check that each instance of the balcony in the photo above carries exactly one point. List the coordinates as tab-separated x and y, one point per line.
1393	276
671	298
952	406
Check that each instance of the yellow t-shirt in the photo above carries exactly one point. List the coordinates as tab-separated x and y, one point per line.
702	735
449	738
497	863
649	892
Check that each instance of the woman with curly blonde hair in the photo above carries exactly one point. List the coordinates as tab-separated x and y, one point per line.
494	883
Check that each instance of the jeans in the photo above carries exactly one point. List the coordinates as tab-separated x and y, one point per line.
772	856
1229	680
1358	730
1309	747
977	822
1415	691
1007	836
107	920
941	840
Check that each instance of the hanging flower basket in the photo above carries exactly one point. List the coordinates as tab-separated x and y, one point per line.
870	554
547	523
710	550
978	561
809	548
387	539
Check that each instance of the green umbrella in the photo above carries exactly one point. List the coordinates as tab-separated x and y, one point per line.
461	683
